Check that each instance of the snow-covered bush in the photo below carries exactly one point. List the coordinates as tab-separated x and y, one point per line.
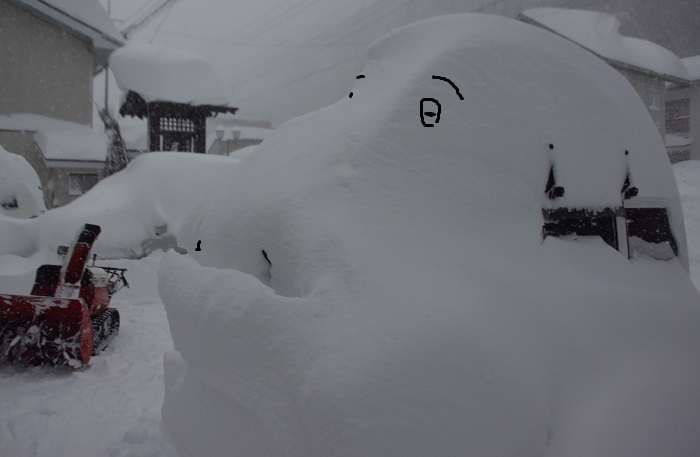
20	187
410	306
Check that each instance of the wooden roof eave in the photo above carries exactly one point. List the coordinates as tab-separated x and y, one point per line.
135	105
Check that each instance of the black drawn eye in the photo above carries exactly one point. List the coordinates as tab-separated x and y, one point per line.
357	77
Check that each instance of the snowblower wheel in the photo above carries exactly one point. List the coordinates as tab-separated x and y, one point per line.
106	327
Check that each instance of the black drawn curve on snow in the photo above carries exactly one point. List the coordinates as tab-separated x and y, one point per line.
357	77
449	81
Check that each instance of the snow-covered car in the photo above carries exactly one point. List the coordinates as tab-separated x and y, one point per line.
455	260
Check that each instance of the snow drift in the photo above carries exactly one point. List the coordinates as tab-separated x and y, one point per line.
20	188
410	306
140	206
139	209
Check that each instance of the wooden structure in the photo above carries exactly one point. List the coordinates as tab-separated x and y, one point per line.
173	126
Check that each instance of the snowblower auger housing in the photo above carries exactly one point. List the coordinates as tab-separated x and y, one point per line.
67	318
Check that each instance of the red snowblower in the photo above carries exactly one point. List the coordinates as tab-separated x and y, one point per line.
67	318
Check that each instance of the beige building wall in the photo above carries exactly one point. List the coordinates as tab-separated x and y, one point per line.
43	69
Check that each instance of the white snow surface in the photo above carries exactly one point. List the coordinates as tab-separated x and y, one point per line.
156	190
112	407
59	139
19	182
599	32
411	307
692	64
160	73
142	204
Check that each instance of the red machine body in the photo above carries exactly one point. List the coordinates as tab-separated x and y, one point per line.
67	318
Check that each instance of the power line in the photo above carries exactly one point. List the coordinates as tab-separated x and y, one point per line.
301	78
297	58
266	21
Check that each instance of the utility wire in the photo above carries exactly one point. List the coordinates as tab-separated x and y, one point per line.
338	39
262	21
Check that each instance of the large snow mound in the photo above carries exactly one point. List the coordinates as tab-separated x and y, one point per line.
410	306
160	73
20	188
140	209
599	32
140	205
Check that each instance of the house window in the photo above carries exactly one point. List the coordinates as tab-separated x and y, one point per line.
678	117
79	183
173	124
653	102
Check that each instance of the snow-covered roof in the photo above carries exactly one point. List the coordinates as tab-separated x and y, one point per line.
246	134
599	33
60	141
85	18
159	73
692	64
673	141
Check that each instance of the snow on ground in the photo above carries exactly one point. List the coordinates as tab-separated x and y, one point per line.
111	408
410	306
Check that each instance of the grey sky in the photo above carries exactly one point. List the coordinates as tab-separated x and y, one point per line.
288	57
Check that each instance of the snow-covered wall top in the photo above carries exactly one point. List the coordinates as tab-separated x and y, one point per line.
160	73
59	139
599	32
692	64
410	306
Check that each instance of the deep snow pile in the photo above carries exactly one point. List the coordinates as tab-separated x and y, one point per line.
20	188
688	178
411	307
139	208
161	73
144	202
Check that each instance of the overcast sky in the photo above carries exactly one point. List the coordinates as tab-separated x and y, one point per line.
287	57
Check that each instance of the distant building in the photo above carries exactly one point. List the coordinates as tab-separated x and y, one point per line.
50	51
683	112
648	67
174	90
229	134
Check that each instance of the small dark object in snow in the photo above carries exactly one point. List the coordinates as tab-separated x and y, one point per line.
266	258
